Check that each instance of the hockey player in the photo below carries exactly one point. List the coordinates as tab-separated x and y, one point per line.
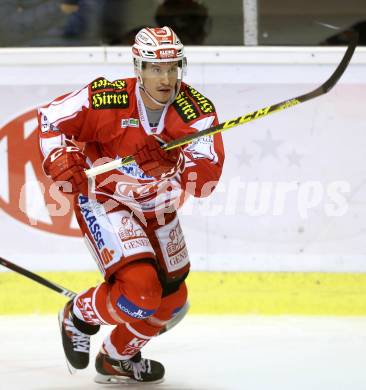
129	219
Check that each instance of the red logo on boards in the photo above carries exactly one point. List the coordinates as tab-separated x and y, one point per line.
24	189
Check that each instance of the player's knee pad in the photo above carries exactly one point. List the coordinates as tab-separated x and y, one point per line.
170	305
136	291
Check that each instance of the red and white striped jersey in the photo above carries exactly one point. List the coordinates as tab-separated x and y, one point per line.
109	119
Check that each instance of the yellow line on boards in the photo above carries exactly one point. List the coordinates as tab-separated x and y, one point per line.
262	293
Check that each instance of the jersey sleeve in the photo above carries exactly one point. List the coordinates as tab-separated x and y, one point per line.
204	159
65	117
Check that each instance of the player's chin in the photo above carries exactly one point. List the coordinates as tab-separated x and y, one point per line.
164	96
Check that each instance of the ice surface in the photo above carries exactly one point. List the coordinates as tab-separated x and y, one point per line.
203	352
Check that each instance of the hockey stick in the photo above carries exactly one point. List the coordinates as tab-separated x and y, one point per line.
262	112
70	294
37	278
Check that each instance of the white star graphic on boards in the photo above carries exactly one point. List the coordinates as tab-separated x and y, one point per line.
268	146
244	157
294	158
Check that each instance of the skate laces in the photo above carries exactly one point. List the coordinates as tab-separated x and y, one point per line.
138	368
80	341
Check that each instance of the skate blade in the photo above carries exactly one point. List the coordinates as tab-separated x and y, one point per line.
120	380
70	368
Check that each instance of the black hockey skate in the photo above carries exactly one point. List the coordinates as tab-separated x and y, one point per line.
136	369
75	338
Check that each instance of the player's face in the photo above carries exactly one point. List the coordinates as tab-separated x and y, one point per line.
160	80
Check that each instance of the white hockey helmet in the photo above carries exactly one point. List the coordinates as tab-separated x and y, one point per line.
158	44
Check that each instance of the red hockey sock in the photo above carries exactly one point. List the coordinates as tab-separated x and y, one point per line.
126	340
134	295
